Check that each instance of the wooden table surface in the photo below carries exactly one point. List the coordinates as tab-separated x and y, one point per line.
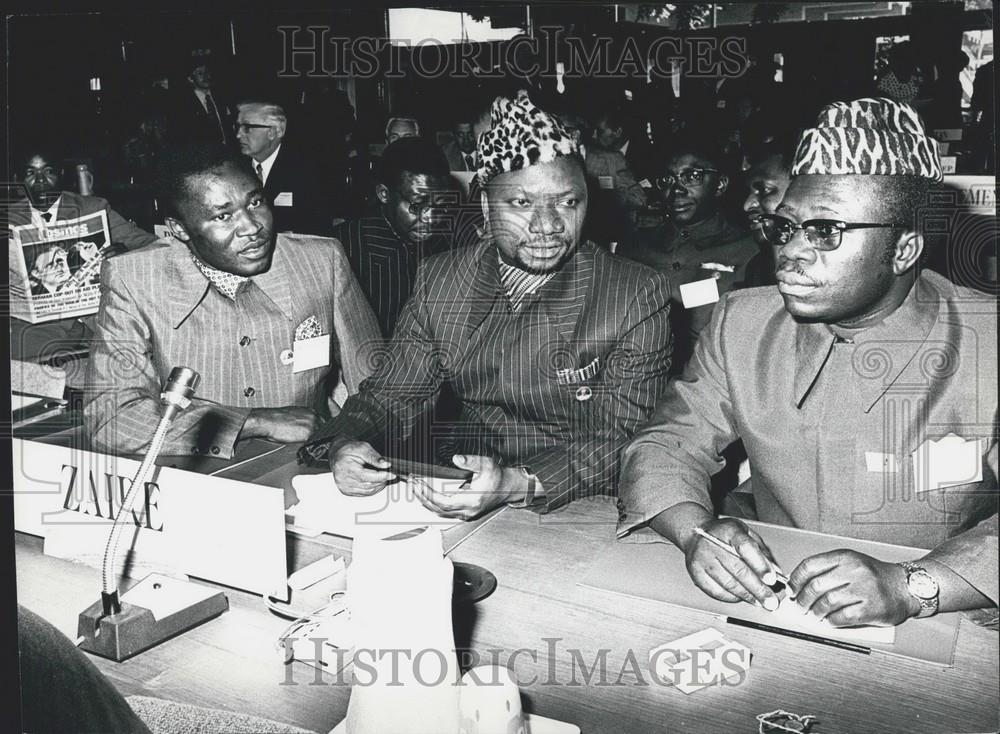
551	632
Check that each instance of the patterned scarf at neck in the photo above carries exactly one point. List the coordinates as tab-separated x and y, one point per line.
226	283
518	284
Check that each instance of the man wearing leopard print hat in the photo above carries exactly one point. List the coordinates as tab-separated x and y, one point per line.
864	389
555	349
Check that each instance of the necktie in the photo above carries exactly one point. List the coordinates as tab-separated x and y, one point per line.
469	162
214	112
260	172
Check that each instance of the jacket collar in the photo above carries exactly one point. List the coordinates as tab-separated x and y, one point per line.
881	352
189	288
563	297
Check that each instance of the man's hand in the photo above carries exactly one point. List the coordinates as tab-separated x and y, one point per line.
491	486
284	425
725	577
849	588
352	464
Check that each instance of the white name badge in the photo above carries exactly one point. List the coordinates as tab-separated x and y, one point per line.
308	354
947	462
283	199
876	461
948	164
699	293
606	182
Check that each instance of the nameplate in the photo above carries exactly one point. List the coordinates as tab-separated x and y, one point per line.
182	523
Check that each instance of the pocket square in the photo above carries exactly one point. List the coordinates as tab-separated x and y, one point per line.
308	329
569	376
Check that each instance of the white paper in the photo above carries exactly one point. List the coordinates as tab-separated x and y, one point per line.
699	293
948	462
18	401
789	615
283	199
879	463
393	510
315	572
308	354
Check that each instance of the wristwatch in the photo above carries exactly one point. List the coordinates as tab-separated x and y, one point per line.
922	587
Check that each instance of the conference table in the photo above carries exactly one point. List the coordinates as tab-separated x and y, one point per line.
579	654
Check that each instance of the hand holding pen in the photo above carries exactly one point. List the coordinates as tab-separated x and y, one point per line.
730	562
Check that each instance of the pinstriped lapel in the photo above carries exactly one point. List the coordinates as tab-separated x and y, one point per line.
484	288
188	286
565	296
276	283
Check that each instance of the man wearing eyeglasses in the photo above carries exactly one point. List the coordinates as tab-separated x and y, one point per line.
295	185
703	253
864	390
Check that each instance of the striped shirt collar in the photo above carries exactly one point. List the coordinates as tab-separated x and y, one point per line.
519	284
226	283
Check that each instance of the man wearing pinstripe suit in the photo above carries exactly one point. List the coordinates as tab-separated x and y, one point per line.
555	349
257	316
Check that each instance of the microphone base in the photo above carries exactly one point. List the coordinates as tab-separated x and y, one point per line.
171	607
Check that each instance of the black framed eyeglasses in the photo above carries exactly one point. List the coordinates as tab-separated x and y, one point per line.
248	126
823	234
688	177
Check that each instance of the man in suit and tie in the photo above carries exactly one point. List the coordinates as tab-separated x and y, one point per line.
41	172
461	150
555	349
295	186
259	315
198	113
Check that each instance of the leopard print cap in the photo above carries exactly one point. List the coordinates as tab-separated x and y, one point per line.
521	136
871	136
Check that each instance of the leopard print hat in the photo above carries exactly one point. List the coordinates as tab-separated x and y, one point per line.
521	136
871	136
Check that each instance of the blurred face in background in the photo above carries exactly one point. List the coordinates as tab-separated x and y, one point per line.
401	129
258	130
767	182
696	190
41	176
410	205
465	138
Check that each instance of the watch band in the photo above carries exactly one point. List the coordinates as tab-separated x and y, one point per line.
928	606
530	497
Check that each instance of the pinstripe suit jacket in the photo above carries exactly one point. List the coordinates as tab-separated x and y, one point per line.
159	311
504	366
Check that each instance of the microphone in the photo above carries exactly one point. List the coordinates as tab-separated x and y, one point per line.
137	629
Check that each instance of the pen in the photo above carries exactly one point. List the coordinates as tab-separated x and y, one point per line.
723	545
799	635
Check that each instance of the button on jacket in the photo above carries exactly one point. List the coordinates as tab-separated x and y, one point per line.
159	311
831	426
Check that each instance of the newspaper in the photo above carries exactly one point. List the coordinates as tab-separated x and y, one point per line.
55	268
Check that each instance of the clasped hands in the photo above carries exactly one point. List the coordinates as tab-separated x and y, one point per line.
844	587
359	470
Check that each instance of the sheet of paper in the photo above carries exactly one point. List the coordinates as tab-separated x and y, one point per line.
789	615
284	199
948	462
18	401
657	572
308	354
699	293
389	512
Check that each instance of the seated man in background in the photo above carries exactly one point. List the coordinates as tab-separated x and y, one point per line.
257	315
555	348
384	249
865	392
41	172
297	189
461	150
703	253
767	180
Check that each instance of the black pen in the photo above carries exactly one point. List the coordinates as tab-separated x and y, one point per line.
800	635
